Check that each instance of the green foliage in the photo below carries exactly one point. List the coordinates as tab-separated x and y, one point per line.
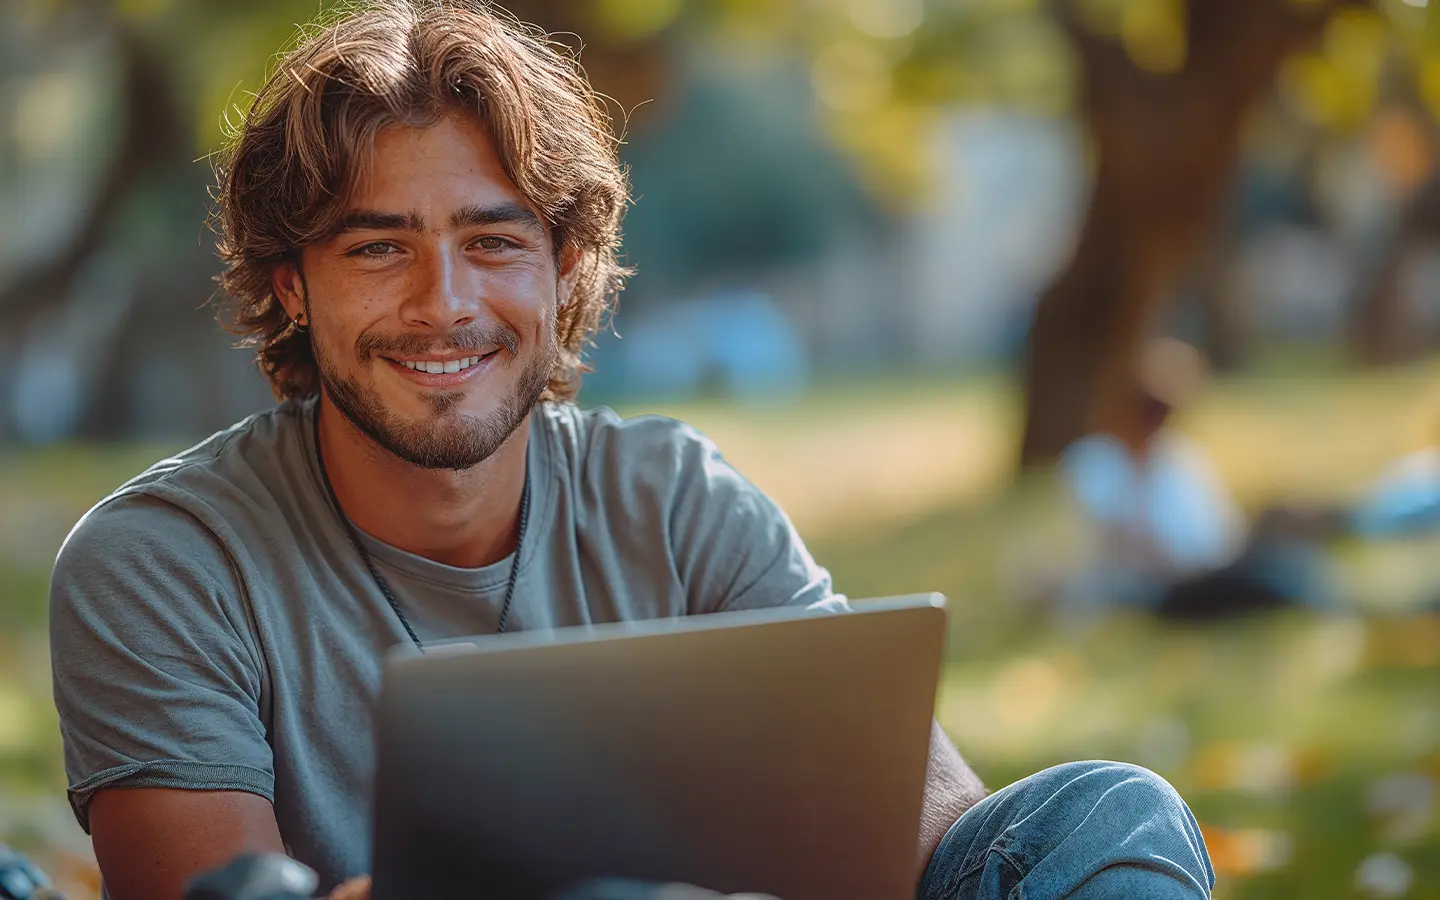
220	52
881	70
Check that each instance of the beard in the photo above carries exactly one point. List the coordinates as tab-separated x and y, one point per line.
449	439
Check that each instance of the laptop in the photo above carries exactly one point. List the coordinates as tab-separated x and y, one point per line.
778	752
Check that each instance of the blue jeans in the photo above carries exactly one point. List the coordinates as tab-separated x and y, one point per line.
1081	831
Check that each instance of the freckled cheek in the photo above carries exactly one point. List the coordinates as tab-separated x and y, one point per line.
522	299
369	298
357	304
349	296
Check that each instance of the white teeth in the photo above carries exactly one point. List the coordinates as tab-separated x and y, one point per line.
438	368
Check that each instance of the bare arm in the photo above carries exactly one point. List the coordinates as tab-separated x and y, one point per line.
951	788
151	841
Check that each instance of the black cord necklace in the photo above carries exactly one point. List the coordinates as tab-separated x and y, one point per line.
380	581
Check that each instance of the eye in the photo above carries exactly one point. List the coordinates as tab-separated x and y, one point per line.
375	250
492	243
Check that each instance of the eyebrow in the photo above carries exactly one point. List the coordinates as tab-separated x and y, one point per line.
466	217
372	220
508	212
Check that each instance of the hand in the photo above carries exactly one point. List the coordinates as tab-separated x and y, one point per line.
354	889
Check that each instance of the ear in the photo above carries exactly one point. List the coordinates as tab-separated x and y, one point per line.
289	289
565	280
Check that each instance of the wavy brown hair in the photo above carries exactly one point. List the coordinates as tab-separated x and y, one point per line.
287	172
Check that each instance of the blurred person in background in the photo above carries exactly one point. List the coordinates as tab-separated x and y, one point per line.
1404	499
1155	510
1402	506
420	219
1165	533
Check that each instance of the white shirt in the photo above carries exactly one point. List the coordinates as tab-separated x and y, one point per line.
1160	518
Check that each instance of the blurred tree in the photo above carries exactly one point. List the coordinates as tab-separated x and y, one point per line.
1163	86
174	59
1165	91
154	138
732	183
1190	74
1384	326
185	65
140	231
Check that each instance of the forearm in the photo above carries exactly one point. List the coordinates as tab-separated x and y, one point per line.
951	788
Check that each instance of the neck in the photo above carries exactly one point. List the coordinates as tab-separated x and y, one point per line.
466	519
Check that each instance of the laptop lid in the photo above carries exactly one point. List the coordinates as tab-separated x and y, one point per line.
776	751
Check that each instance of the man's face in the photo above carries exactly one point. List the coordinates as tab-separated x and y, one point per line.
432	310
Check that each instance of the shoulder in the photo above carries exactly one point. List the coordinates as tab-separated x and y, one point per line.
601	430
139	575
599	443
143	573
133	551
160	514
649	468
730	545
129	523
248	448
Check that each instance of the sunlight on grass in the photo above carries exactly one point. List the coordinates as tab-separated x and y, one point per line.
1282	732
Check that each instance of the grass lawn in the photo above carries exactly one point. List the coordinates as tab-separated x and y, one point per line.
1306	746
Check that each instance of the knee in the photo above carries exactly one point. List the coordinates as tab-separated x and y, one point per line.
1119	800
1115	781
1136	808
1062	827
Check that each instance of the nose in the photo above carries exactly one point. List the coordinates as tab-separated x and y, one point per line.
445	294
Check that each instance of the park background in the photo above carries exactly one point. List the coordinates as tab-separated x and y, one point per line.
893	256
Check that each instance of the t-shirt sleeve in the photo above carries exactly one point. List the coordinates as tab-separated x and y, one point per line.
154	683
734	547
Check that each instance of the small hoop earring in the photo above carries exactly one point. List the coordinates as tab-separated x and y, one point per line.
300	324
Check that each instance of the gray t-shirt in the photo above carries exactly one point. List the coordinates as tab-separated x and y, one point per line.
213	628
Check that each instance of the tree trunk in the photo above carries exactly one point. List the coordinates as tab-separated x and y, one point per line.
1382	324
153	138
1168	147
1226	332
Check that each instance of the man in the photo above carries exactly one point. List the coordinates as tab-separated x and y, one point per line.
1158	511
420	220
1167	534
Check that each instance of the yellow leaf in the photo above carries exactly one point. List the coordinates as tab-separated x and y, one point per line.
1154	35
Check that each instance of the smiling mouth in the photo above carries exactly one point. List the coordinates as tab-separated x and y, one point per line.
444	367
